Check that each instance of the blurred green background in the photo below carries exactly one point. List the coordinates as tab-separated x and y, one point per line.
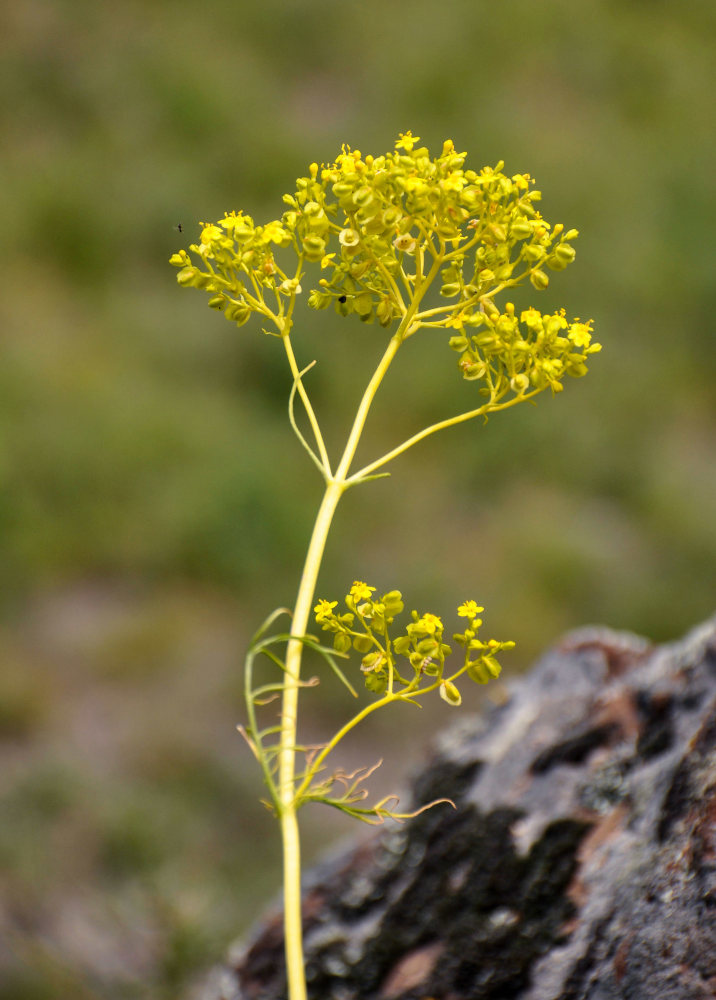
153	501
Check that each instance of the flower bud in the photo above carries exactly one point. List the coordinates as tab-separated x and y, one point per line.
319	300
497	231
363	196
367	216
238	312
448	291
372	661
539	280
564	252
477	672
555	264
243	232
314	248
474	318
525	205
471	368
458	343
341	642
343	305
376	682
492	665
363	304
392	604
384	312
391	215
576	368
521	230
519	383
217	302
533	252
448	230
187	275
358	268
450	694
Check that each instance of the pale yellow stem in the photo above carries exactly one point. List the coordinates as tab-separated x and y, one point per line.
287	753
307	403
335	486
439	426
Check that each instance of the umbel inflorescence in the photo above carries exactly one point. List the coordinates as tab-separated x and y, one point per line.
419	652
411	242
376	227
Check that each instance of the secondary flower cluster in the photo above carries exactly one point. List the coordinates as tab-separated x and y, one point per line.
530	353
383	230
365	628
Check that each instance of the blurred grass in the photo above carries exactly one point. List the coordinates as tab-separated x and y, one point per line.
154	505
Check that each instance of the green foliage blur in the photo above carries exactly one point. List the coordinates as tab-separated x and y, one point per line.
154	504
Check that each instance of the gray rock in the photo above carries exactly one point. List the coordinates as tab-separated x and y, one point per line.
580	863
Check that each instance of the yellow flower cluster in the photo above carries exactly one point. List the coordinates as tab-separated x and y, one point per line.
383	229
364	627
532	352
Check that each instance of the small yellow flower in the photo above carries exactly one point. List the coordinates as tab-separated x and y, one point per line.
470	609
210	233
406	141
532	318
231	220
360	591
273	232
324	609
580	334
429	623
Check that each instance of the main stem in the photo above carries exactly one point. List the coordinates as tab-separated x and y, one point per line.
289	824
335	486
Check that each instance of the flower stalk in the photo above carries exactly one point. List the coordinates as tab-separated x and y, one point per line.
409	242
